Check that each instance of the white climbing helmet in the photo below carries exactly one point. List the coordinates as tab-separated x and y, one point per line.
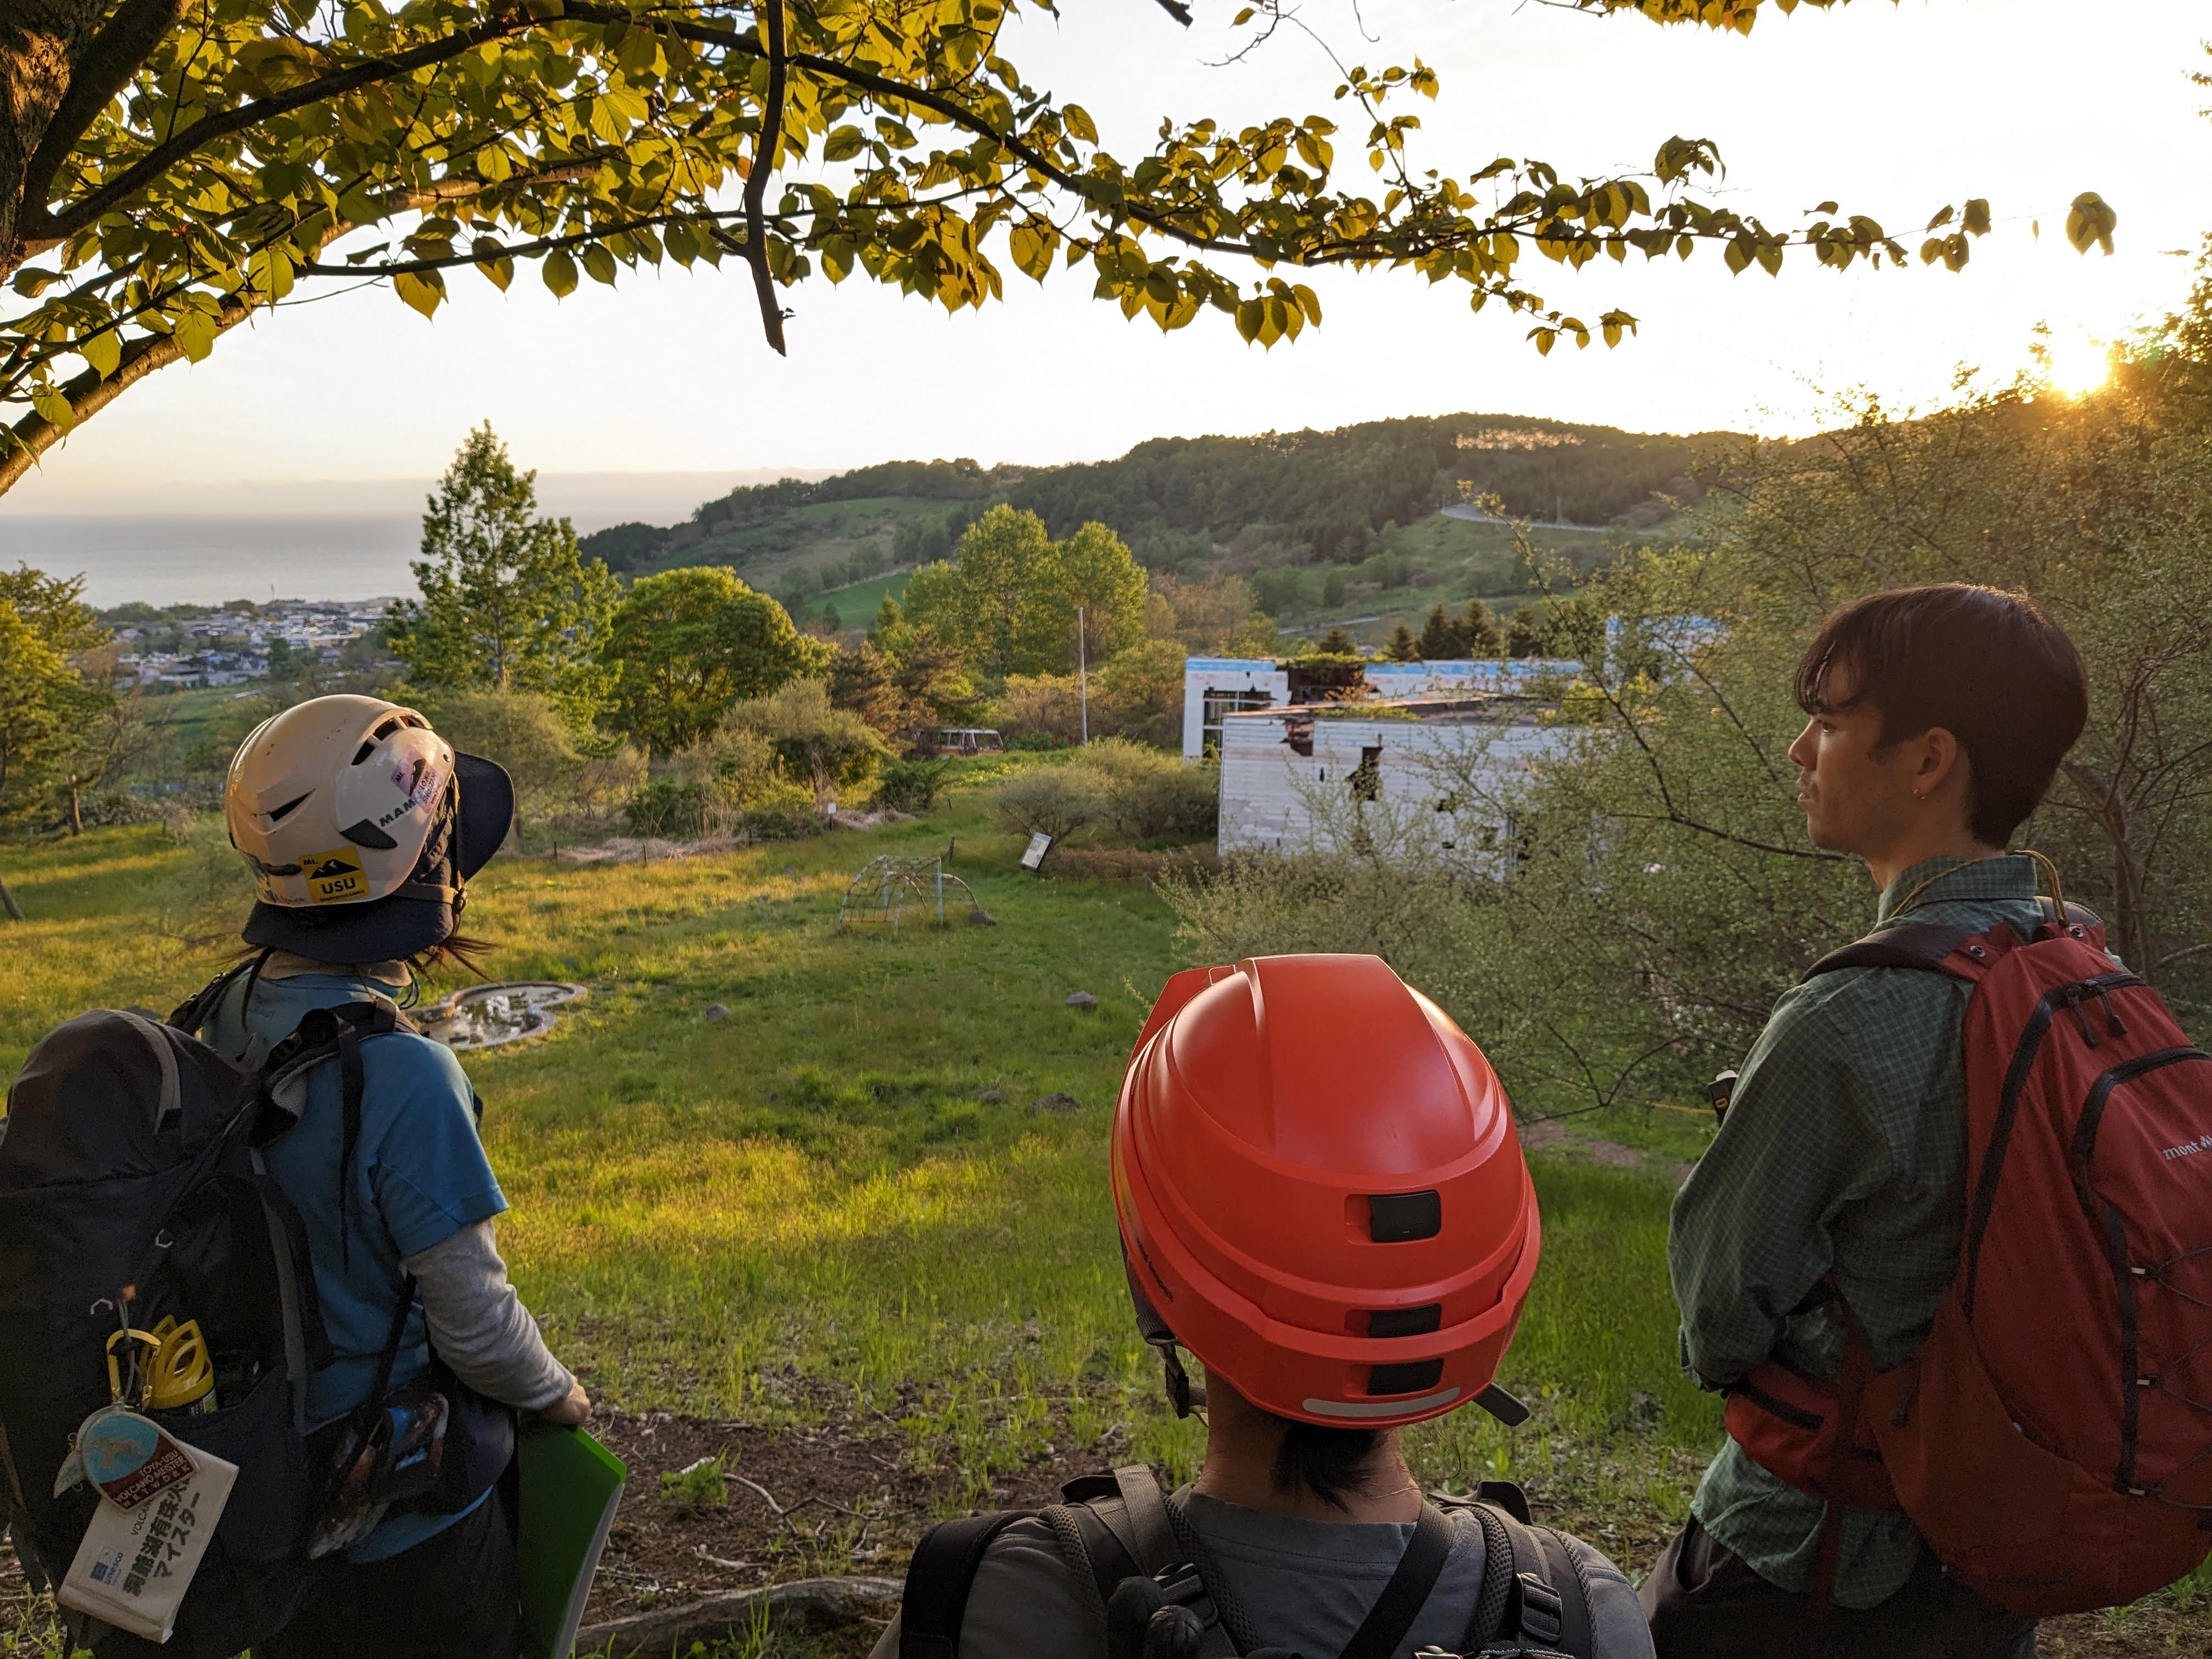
360	825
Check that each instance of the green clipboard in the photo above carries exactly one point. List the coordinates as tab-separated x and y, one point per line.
570	1487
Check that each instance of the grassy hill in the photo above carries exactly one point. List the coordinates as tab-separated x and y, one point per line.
1304	504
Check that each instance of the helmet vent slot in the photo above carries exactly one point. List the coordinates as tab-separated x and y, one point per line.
1405	1321
1415	1376
385	728
1403	1218
365	834
284	811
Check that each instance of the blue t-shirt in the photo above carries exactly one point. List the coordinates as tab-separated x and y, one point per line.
419	1175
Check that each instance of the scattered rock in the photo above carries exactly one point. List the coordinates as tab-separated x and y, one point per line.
1056	1103
717	1011
992	1097
1082	1001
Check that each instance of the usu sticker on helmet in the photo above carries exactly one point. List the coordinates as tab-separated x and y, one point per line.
335	877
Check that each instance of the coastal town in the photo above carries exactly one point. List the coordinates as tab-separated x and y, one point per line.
193	647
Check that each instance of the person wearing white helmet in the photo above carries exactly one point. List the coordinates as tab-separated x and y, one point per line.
361	827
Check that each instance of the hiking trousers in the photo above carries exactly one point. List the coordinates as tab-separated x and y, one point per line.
454	1596
1705	1603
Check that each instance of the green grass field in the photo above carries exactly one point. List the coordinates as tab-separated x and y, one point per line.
815	1190
842	1192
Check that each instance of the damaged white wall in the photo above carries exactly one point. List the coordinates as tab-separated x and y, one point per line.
1275	796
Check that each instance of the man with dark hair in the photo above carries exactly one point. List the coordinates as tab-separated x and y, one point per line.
1936	719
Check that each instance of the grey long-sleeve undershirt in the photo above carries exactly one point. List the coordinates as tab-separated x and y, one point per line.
479	1325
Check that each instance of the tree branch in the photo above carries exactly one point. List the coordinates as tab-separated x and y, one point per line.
114	57
156	160
88	393
764	157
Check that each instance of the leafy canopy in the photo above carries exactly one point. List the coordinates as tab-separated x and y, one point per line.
1010	596
171	166
689	645
48	709
507	604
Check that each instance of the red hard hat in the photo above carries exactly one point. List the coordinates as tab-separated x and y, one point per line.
1321	1192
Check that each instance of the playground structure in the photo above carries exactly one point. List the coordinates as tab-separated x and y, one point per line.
887	885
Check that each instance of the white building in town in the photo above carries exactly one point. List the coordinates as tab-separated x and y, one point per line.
1213	687
1285	770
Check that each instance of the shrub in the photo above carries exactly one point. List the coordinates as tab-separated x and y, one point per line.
1047	706
1146	795
911	786
1051	800
821	746
668	807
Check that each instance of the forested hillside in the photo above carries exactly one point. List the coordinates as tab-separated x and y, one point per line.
1258	503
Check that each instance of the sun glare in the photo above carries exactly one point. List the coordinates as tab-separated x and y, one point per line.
2075	365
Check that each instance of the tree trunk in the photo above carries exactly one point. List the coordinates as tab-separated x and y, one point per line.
40	43
8	902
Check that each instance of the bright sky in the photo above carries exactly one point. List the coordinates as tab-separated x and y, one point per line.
1894	110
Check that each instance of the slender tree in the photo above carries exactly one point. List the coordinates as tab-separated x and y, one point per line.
507	603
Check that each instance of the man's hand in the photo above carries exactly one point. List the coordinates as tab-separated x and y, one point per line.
571	1413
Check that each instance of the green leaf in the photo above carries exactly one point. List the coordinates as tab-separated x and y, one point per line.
195	333
424	290
1977	219
103	351
1079	122
598	264
843	143
53	408
559	272
1032	244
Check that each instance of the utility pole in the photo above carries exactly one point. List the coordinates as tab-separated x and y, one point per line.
1083	674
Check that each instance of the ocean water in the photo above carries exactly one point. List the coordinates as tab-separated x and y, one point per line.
202	544
205	559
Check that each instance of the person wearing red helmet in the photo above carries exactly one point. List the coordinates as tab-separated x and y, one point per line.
1321	1198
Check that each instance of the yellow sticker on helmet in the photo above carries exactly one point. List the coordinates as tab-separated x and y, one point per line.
334	877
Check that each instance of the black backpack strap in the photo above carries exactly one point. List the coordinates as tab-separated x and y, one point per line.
1547	1605
1151	1536
938	1581
321	1034
1493	1601
291	1227
193	1013
1922	944
1402	1599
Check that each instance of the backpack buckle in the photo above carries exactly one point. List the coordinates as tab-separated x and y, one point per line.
1180	1586
1542	1611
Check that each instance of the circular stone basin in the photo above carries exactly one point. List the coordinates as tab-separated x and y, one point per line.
485	1015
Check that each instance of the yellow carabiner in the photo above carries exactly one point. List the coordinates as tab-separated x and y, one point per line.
141	1375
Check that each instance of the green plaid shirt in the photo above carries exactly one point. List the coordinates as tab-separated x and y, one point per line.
1845	1154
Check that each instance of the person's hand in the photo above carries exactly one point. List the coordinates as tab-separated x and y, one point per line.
571	1413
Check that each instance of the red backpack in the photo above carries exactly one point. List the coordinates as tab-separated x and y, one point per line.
2052	1439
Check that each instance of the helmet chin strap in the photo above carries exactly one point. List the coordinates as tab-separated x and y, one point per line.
1154	1329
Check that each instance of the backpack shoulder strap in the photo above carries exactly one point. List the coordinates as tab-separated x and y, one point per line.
939	1579
1150	1536
1402	1599
1534	1597
193	1012
1923	944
